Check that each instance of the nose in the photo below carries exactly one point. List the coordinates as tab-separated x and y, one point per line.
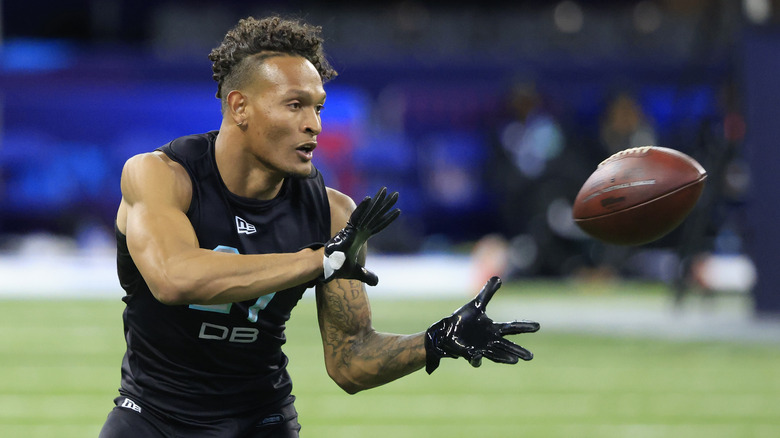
312	123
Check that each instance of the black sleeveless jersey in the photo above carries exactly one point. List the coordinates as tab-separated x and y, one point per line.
196	362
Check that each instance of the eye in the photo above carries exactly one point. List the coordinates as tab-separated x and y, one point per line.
294	105
319	108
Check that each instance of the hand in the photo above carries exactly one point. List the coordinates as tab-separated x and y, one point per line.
469	333
371	216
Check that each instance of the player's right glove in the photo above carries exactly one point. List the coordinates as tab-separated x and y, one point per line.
470	334
371	216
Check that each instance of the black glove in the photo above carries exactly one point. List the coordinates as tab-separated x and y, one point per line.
469	333
371	216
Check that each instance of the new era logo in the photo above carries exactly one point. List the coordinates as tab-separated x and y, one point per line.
244	227
129	404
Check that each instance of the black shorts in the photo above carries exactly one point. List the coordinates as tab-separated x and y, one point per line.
131	419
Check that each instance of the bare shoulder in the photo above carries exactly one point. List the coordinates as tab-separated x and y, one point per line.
341	207
152	163
154	180
155	173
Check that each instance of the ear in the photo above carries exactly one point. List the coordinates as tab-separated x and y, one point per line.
236	105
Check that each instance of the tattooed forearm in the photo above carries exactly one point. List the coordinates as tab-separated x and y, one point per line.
343	313
342	319
357	356
390	355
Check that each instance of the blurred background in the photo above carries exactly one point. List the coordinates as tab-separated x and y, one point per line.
487	118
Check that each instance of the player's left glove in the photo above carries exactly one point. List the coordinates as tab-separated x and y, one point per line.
470	334
371	216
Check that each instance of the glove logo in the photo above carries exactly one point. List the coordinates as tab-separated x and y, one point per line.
244	227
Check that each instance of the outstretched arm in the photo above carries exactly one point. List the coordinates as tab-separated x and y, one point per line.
358	357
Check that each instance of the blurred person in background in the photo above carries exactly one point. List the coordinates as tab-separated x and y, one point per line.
537	174
625	125
220	234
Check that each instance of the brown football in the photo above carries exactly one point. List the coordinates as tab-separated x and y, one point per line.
638	195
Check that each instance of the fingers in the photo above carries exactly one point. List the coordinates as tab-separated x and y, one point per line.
363	212
357	216
371	213
387	204
366	276
381	193
501	352
487	293
512	348
516	327
504	347
499	356
378	220
386	220
374	207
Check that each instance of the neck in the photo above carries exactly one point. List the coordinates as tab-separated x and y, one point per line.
241	172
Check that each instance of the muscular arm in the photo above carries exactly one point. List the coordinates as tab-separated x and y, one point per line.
358	357
156	193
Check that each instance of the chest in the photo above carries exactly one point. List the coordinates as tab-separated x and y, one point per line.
284	225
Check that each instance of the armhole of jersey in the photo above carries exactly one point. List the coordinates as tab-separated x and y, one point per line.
168	151
328	217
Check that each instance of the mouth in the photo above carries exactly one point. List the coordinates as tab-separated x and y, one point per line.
307	149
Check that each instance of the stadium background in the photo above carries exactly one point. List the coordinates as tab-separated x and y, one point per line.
427	103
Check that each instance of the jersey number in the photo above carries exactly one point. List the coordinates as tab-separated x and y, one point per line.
259	305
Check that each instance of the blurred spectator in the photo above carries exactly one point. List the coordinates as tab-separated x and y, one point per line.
490	256
533	137
527	140
625	125
536	176
713	238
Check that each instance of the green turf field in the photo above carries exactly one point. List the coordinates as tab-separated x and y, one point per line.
59	370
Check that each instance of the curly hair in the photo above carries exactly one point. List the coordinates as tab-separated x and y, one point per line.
243	47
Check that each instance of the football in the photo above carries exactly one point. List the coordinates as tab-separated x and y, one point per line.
638	195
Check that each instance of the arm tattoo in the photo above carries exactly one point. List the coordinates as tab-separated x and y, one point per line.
350	339
345	317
